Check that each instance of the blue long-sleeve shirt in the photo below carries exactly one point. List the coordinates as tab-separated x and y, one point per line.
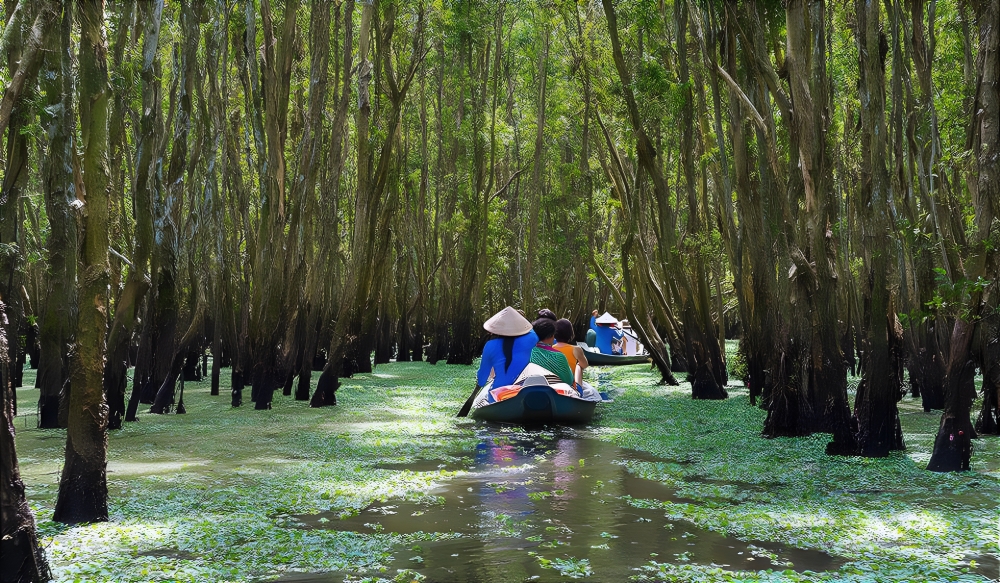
606	335
493	359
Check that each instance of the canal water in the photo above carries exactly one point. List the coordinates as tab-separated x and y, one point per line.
546	505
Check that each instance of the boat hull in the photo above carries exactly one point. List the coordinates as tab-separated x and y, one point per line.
537	404
601	359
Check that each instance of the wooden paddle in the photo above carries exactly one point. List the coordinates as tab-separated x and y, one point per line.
464	411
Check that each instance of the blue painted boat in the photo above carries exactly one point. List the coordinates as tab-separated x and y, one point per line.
601	359
537	404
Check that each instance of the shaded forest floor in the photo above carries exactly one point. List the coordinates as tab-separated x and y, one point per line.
211	495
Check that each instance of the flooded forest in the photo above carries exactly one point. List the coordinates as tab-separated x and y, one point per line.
300	211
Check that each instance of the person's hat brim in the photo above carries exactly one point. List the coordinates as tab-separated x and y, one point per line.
607	318
507	322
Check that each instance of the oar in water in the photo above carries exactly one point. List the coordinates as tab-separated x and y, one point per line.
464	411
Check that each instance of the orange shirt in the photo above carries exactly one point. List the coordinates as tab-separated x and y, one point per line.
567	350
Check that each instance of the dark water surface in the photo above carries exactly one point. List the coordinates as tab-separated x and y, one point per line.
558	498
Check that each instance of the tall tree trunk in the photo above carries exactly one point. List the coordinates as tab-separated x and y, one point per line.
373	210
952	446
926	360
649	163
59	318
23	60
270	315
137	285
310	159
147	155
753	257
23	558
875	408
83	488
474	203
701	340
537	175
168	359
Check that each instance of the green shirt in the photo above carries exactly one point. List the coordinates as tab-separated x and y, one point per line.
553	360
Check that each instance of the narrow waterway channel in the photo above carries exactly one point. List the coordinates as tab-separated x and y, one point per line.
546	505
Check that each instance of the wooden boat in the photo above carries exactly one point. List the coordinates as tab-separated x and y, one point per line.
537	404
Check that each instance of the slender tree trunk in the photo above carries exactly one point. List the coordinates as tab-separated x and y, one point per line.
170	359
926	360
753	256
952	446
146	154
875	408
538	180
59	318
83	488
129	303
272	261
373	208
701	339
343	339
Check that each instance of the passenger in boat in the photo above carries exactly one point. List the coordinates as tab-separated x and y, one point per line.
547	357
547	313
509	350
608	337
575	356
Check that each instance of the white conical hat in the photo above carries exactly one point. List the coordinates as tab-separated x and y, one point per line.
607	318
508	322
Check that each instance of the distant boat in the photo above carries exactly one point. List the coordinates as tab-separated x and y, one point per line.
600	359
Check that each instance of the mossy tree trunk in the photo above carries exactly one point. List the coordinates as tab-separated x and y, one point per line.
273	265
881	384
61	206
704	354
83	488
180	183
373	210
952	446
131	299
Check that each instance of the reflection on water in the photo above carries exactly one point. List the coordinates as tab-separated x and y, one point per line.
532	497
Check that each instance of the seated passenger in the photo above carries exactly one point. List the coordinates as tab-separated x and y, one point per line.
509	351
575	356
547	357
547	313
609	337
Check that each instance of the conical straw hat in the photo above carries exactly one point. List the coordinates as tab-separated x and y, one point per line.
607	318
507	322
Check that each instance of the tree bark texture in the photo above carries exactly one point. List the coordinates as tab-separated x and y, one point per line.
881	388
83	488
952	446
138	283
62	206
